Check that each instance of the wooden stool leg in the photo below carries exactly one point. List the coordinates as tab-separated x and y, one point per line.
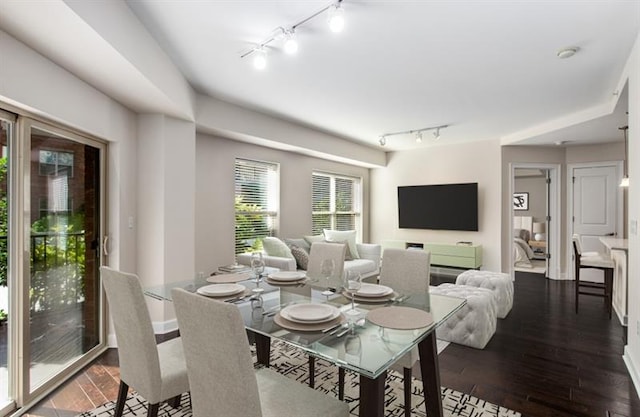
608	282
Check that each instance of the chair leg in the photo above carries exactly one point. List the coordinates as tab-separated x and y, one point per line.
175	401
407	392
340	383
122	398
577	287
312	372
153	410
608	284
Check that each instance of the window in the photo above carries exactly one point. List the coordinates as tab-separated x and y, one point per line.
256	203
56	163
337	202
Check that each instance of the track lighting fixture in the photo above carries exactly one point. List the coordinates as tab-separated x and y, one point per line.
418	134
335	19
260	59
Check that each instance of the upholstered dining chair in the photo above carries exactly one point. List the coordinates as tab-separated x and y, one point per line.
158	372
221	373
406	271
593	260
323	250
319	252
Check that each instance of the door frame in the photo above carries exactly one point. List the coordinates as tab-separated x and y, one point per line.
553	234
619	206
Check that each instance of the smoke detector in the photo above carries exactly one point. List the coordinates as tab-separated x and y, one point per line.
567	52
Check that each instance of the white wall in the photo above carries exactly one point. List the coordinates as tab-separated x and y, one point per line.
632	351
473	162
215	159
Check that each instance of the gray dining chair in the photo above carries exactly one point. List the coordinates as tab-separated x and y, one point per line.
158	372
221	373
406	271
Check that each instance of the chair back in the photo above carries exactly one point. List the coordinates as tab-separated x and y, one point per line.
321	251
219	364
137	350
577	245
406	270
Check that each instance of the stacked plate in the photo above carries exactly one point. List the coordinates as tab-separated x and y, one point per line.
308	317
221	290
286	277
373	293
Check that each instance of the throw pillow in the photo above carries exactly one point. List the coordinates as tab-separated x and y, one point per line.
301	243
301	256
342	235
347	254
311	239
275	247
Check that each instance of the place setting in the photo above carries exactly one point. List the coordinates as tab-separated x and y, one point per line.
371	293
228	278
224	292
286	278
309	317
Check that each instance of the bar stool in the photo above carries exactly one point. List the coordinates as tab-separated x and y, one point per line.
593	260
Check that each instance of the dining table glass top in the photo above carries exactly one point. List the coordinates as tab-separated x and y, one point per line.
358	344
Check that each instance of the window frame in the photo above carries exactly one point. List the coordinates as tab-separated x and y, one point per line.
333	212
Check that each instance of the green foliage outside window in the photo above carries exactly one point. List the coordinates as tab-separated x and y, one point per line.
250	226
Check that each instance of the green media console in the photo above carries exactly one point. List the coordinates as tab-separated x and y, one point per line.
453	255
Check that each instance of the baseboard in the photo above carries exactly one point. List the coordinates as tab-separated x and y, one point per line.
633	370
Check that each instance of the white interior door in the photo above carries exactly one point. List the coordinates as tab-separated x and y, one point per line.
594	209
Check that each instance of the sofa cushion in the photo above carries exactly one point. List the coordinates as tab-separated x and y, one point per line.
275	247
311	239
301	256
342	235
347	254
363	266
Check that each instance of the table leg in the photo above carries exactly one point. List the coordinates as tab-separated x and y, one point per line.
430	370
263	348
372	396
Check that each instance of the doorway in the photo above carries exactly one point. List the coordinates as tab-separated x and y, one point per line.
51	223
535	219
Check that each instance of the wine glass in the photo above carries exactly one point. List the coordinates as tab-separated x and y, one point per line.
257	265
327	266
354	283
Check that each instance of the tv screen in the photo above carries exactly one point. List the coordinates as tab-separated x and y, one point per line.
439	207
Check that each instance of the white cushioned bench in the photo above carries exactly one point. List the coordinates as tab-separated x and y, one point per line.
475	323
498	282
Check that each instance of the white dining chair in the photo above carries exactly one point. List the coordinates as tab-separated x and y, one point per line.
221	373
406	271
158	372
319	252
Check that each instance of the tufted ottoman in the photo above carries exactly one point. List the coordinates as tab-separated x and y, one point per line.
501	285
475	323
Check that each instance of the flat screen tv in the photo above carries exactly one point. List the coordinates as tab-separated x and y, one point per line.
439	207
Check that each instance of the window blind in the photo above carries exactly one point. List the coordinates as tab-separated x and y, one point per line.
337	202
256	203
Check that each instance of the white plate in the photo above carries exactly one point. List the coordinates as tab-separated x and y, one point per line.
373	290
220	290
309	313
287	276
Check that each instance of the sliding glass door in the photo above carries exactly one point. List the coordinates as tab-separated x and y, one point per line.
51	224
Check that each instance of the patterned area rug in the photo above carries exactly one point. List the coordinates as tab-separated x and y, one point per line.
292	363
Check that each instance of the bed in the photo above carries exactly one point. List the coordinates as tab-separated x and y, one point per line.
523	256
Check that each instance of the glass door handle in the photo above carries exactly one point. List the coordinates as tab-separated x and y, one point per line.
105	248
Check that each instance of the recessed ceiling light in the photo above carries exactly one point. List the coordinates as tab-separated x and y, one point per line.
567	52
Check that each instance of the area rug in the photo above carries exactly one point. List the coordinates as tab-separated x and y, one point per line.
292	363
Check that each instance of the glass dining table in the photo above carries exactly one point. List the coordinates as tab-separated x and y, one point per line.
379	347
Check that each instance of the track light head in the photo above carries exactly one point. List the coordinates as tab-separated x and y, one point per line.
382	140
260	58
290	42
436	134
336	18
418	137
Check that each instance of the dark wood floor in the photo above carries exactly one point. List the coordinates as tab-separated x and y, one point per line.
544	360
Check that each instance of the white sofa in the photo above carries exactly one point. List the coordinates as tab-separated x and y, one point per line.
368	265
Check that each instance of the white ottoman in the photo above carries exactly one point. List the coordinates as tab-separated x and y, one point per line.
475	323
501	285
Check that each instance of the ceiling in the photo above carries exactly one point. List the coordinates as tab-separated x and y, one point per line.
486	68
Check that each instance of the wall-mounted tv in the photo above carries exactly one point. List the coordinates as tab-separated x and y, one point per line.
439	207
